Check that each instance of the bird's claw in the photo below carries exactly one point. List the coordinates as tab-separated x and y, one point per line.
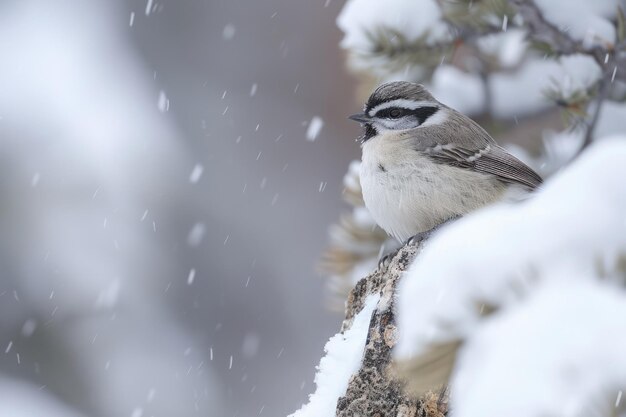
418	238
385	261
422	236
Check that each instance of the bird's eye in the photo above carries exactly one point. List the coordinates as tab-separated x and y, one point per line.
395	113
391	113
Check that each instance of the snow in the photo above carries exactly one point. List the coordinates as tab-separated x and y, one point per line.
499	253
612	119
35	180
583	19
412	18
315	127
578	72
351	179
341	238
163	103
108	297
458	89
545	357
29	328
196	173
191	276
229	31
559	148
363	218
465	91
148	7
508	47
529	83
196	234
22	399
344	353
250	345
524	76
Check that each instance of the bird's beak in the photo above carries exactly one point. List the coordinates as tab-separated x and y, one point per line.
361	118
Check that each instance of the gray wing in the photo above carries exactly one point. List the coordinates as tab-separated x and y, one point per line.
461	142
492	159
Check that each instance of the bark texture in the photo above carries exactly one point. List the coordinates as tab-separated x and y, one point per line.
375	389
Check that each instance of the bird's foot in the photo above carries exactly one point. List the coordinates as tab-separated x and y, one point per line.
415	240
384	262
422	236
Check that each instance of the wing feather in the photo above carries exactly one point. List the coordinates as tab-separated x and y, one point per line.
462	143
491	159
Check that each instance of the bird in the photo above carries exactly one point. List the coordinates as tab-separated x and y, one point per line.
424	164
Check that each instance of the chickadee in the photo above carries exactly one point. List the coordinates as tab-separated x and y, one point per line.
424	163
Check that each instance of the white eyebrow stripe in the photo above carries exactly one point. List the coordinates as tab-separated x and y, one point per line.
404	103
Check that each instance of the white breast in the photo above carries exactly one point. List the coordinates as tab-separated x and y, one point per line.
407	193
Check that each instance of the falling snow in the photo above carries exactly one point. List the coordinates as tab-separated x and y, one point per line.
191	276
148	7
314	129
196	173
196	234
159	196
163	103
250	345
35	180
29	327
613	74
151	395
229	31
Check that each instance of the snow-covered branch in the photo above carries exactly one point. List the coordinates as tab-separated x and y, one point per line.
514	292
588	33
356	376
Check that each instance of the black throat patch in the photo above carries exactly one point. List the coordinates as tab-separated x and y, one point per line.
369	133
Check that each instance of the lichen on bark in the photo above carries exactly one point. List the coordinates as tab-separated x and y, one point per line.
375	389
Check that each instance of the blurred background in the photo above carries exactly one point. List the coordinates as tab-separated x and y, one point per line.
168	173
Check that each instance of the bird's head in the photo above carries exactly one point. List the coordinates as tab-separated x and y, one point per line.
397	105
